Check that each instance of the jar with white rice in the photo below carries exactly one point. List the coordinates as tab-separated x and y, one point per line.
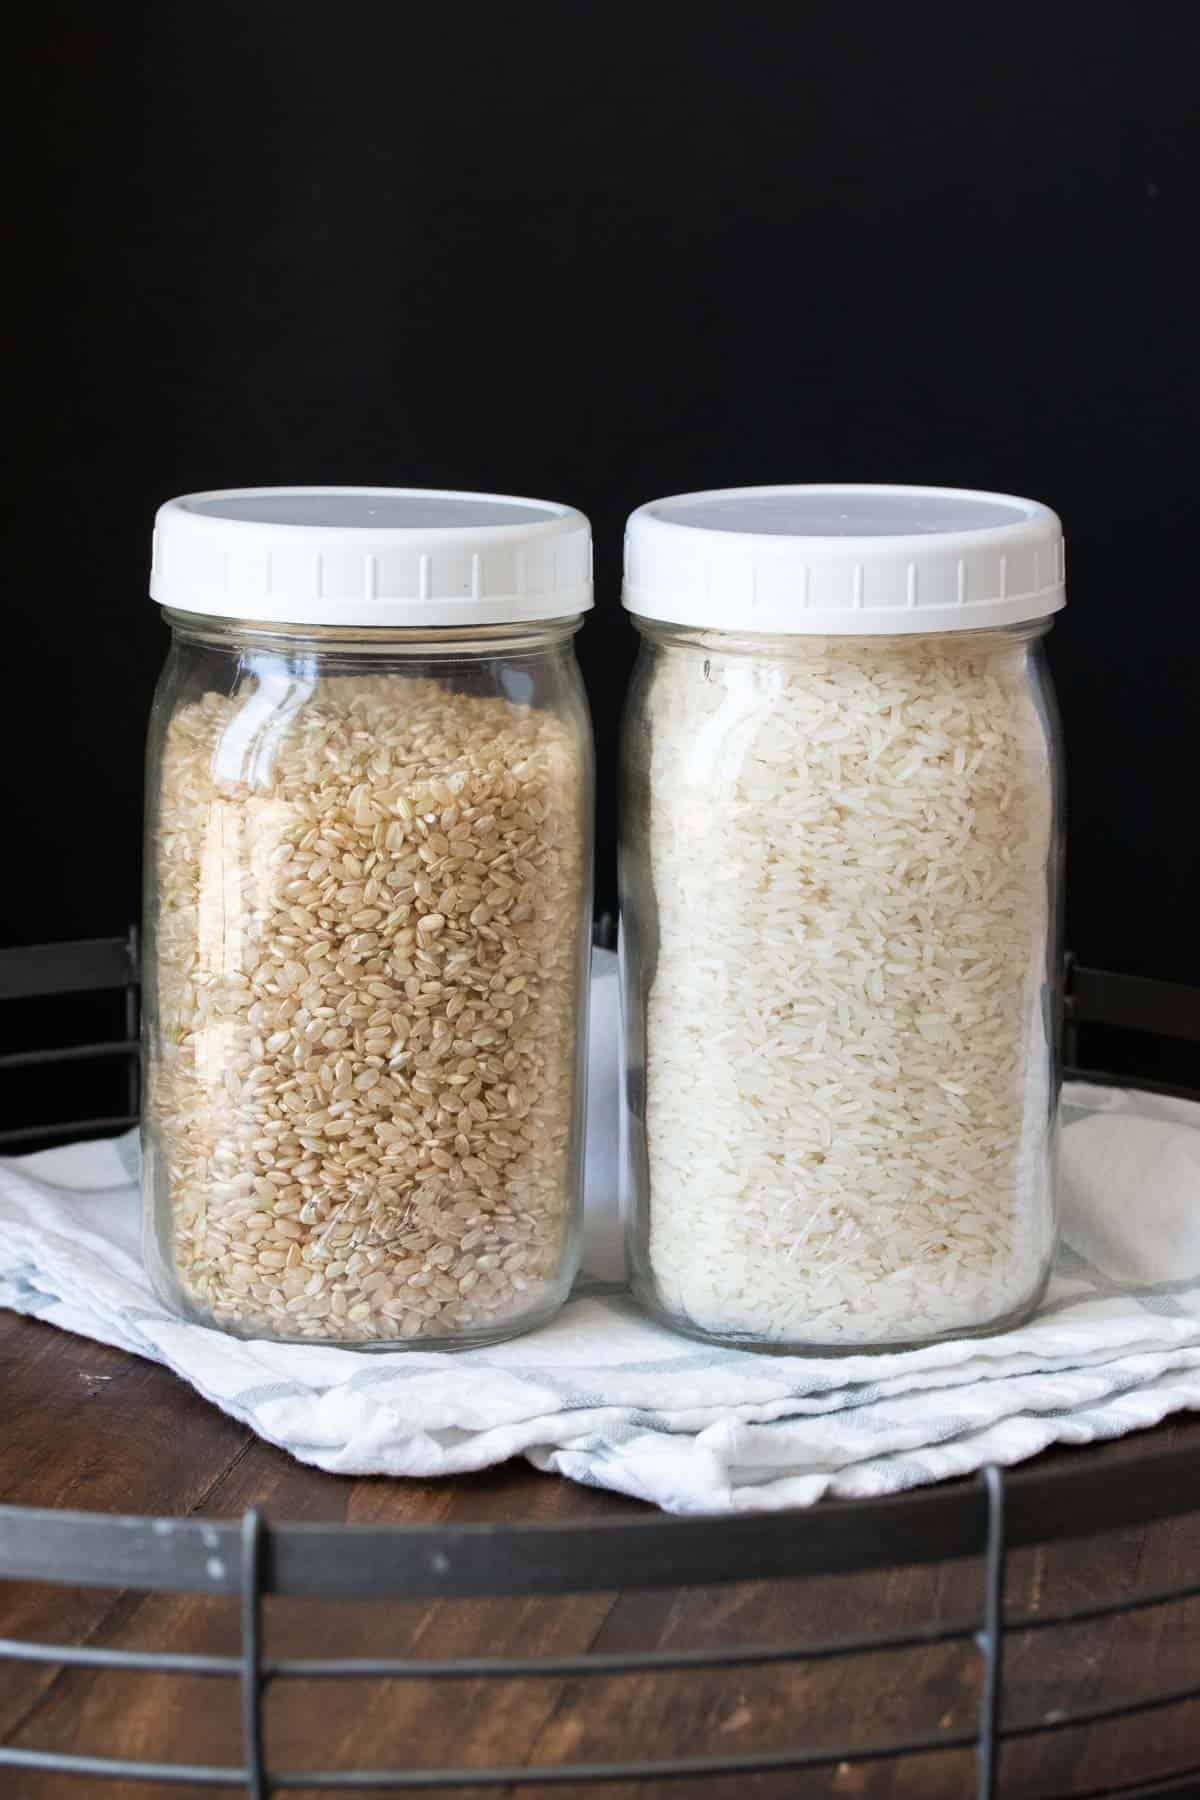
368	910
840	872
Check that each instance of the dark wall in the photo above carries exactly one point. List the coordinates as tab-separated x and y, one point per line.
603	252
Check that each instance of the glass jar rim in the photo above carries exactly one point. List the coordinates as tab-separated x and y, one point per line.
793	643
373	640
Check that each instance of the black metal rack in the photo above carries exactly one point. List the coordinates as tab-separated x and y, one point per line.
251	1559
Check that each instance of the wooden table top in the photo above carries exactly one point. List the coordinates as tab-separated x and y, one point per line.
94	1429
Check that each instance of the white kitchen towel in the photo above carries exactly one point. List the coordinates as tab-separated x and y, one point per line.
606	1397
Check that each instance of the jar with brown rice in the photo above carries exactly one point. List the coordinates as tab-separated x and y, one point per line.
367	911
841	851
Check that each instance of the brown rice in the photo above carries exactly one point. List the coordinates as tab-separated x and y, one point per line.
362	1112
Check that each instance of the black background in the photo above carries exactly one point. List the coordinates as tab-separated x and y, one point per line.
600	253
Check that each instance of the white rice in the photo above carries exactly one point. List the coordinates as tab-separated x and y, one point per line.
848	1070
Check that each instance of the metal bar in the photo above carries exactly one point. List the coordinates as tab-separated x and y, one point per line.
1055	1506
1133	1003
604	931
1126	1708
1179	1782
253	1538
535	1775
501	1667
1068	1024
28	1133
132	1019
549	1774
1105	1078
615	1663
1094	996
84	1656
991	1638
86	965
751	1762
611	1663
1104	1609
579	1774
351	1561
114	1768
37	1059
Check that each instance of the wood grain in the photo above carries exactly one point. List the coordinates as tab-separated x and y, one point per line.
92	1428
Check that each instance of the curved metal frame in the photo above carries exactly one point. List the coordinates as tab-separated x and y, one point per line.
251	1559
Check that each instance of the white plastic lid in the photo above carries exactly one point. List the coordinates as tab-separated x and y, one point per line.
371	556
844	560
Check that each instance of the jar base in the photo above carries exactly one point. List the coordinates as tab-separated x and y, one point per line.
254	1332
732	1340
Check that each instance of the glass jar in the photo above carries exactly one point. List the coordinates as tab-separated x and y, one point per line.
367	911
840	891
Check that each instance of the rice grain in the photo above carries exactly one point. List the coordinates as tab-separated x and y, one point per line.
346	1057
848	1071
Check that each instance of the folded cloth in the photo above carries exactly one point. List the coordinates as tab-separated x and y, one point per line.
605	1396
